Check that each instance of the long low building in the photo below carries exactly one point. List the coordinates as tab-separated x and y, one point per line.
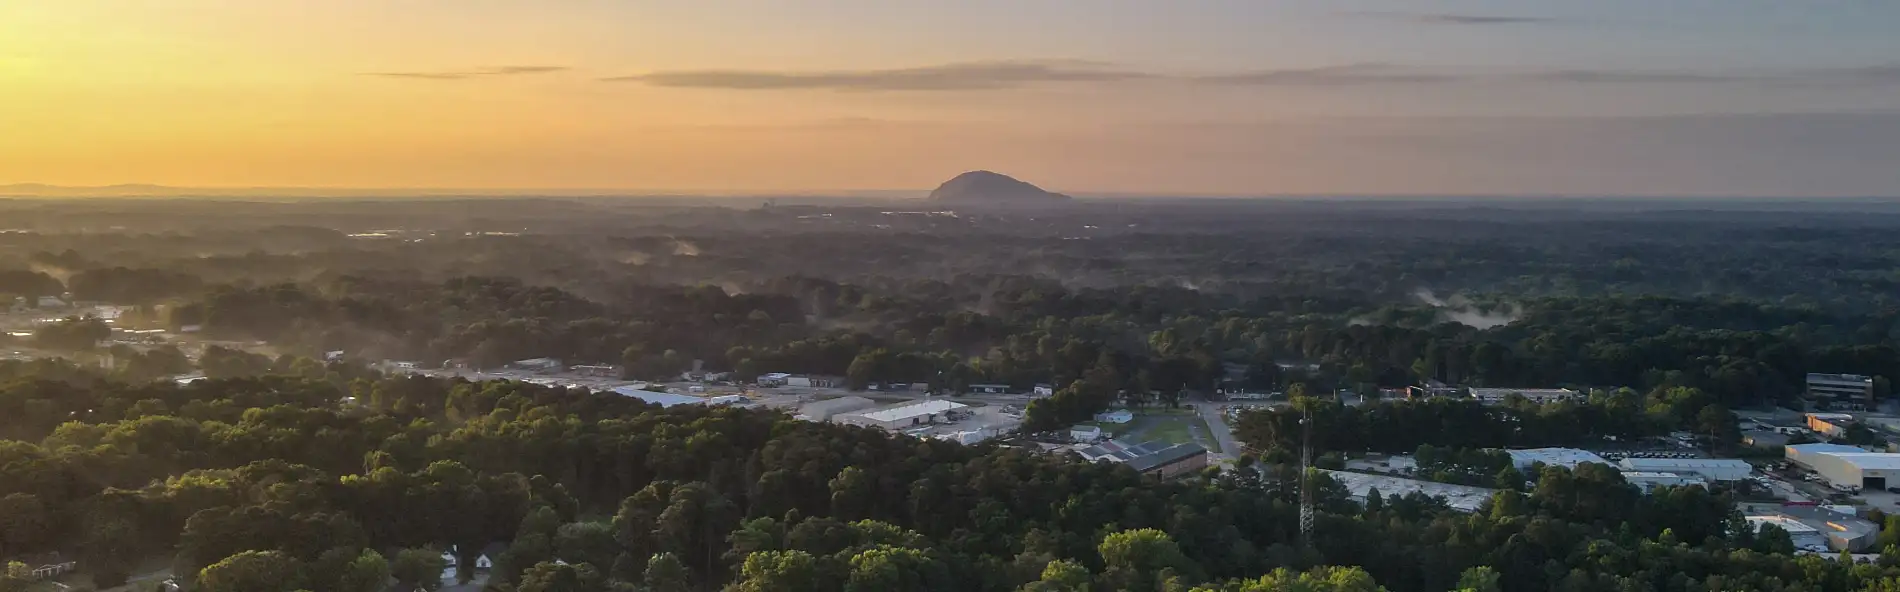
1712	469
905	416
829	408
661	399
1568	458
1156	459
1847	465
1647	481
1463	498
1493	396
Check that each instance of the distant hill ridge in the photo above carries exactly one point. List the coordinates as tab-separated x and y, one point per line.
993	188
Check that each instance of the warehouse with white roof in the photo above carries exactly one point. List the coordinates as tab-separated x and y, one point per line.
896	418
1712	469
1567	458
1847	465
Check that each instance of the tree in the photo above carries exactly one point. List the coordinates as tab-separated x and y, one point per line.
418	569
1061	576
782	571
252	571
665	573
1479	579
368	573
72	333
562	577
1136	559
23	523
1322	579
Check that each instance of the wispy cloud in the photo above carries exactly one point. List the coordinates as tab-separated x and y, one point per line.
1348	74
468	74
989	75
1447	18
1636	76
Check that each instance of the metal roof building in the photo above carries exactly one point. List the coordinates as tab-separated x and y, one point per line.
1847	465
1160	459
1557	457
1713	469
828	408
1459	497
661	399
903	416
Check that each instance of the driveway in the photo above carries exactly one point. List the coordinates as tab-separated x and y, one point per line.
1210	412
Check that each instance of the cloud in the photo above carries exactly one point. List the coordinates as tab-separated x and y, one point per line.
1349	74
989	75
1636	76
1444	18
468	74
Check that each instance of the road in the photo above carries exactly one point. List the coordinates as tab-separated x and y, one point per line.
1229	448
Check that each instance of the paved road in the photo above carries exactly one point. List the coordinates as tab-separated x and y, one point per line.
1230	449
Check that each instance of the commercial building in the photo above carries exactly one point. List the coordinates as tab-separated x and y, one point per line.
1157	459
989	389
1840	530
896	418
536	365
829	408
773	379
1557	457
1460	497
1493	396
1806	538
1848	466
1433	388
806	381
1840	391
1831	424
1648	480
661	399
597	370
1711	469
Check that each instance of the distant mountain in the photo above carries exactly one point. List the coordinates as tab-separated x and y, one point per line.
985	187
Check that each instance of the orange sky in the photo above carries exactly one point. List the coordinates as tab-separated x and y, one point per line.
751	95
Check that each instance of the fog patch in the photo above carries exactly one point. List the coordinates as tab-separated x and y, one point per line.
1463	311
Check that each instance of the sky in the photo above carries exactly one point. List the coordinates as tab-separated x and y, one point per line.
1185	97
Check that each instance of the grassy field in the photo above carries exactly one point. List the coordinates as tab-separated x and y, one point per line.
1174	426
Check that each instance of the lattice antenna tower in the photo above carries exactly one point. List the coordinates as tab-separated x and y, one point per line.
1306	484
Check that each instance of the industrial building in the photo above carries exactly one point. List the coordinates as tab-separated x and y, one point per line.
829	408
661	399
1568	458
1493	396
1157	459
1460	497
1711	469
1840	391
1847	465
1806	538
1838	528
1831	424
896	418
536	365
802	380
1649	480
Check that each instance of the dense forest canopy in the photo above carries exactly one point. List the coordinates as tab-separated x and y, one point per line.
284	472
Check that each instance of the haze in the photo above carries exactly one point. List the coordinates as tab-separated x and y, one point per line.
1617	97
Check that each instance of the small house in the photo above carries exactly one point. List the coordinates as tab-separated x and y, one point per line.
1085	433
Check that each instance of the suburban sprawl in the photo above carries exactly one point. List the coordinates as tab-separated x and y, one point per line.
593	394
